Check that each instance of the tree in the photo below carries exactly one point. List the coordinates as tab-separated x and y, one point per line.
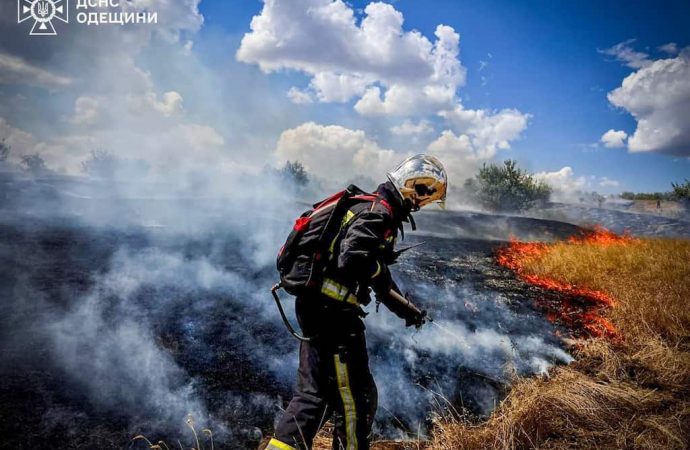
681	191
4	151
295	172
507	187
101	163
34	164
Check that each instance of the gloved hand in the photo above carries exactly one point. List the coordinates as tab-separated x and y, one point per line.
416	319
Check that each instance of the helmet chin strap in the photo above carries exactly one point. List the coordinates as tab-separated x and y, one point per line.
410	207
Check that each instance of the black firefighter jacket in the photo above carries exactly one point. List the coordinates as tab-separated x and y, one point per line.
365	248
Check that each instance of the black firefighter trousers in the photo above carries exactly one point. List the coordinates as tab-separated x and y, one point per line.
333	380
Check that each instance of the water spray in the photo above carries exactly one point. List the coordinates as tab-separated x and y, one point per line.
450	333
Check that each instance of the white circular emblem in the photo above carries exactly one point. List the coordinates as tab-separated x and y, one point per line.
43	10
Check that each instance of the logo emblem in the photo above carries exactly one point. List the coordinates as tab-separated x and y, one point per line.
43	12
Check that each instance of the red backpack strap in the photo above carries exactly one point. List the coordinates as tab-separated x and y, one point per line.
376	199
330	200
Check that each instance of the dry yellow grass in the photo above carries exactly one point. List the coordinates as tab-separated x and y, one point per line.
630	394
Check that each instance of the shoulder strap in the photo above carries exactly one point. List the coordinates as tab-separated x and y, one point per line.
376	199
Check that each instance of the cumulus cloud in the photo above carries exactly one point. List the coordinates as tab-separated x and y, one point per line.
658	97
457	154
335	152
331	87
625	53
409	128
384	70
487	131
298	96
568	187
86	110
614	139
169	104
390	70
563	181
340	153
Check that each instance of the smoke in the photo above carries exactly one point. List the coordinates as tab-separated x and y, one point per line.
146	301
477	343
152	303
170	314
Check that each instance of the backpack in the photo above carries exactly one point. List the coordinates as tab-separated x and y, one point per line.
303	258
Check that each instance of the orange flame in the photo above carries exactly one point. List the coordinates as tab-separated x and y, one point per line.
579	308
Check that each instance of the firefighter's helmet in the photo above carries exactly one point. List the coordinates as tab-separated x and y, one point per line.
422	180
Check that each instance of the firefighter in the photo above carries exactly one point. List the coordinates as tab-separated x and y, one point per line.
334	379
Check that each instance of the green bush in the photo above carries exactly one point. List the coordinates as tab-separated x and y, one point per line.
506	188
34	164
681	191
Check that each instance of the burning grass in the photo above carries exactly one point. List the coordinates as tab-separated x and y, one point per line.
630	385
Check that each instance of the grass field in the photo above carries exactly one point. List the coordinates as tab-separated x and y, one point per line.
629	392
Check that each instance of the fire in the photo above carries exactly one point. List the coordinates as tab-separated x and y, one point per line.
579	308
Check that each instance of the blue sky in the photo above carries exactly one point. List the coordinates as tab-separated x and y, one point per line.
202	89
542	58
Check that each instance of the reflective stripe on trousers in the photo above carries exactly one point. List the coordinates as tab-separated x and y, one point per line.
275	444
349	410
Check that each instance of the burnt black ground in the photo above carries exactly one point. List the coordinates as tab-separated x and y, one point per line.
50	263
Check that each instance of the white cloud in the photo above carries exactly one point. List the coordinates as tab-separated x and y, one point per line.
606	182
298	96
624	53
174	18
563	181
457	155
86	110
409	128
614	139
169	104
452	146
569	187
332	87
487	131
392	71
658	97
334	152
15	70
475	137
198	137
385	69
671	48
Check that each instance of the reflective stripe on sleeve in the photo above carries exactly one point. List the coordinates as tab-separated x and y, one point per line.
275	444
349	411
349	215
378	270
